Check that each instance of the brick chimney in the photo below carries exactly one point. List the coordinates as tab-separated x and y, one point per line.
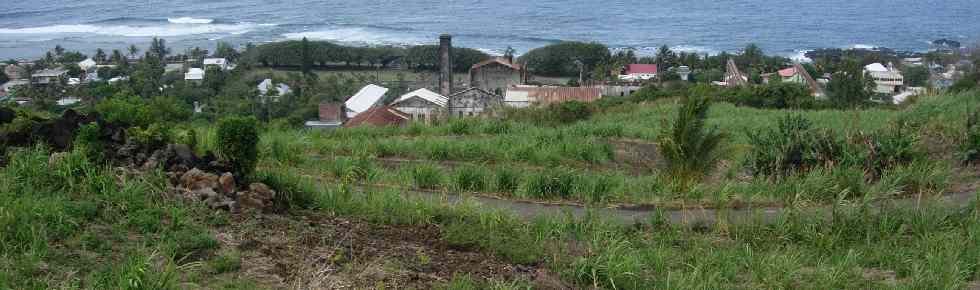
446	64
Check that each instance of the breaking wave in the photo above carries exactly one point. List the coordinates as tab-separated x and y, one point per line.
190	20
164	30
359	35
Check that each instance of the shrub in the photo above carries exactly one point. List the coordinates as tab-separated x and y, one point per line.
238	139
427	176
793	147
291	188
87	141
153	137
470	178
507	179
131	111
571	111
969	149
890	148
690	150
551	184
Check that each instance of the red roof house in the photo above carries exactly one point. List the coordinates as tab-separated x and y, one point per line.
641	69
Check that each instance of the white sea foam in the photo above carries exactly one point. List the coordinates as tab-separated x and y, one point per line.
190	20
800	56
358	35
863	46
166	30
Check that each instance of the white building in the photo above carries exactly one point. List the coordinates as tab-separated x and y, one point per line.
88	64
194	74
266	85
367	98
221	63
422	104
888	80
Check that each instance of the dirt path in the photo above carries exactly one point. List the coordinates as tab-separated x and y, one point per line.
530	210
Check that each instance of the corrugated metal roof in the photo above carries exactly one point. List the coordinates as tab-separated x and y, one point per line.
641	69
424	94
367	97
331	112
500	60
787	72
876	67
379	116
550	95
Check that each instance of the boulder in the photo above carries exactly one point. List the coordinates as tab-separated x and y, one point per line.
227	184
7	115
195	179
258	196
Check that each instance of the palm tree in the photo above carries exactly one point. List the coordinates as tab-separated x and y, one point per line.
133	50
58	50
117	57
99	56
690	149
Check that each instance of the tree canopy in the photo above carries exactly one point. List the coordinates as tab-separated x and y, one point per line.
563	58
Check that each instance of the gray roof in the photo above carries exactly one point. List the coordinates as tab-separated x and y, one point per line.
50	73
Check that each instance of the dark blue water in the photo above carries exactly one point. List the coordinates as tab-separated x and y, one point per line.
29	27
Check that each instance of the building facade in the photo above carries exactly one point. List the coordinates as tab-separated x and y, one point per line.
474	102
496	75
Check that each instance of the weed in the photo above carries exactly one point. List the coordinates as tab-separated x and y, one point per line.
471	178
427	176
508	180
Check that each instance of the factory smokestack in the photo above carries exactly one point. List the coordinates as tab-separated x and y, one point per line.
446	64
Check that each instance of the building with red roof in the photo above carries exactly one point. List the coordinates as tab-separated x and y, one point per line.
379	116
639	72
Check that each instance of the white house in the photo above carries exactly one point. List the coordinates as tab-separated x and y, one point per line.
221	63
422	104
88	64
266	85
368	97
888	80
194	74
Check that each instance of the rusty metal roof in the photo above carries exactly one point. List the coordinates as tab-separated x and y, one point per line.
550	95
379	116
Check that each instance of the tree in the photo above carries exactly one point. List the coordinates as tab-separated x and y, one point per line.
850	86
158	49
665	58
117	57
509	52
133	51
58	50
100	56
3	78
224	50
690	149
565	58
306	60
916	75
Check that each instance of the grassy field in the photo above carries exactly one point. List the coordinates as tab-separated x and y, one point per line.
67	223
612	158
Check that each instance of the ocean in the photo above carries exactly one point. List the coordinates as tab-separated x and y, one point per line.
29	28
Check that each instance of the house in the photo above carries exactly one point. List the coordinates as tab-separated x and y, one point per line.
521	97
888	80
173	67
368	97
88	64
331	116
49	76
799	75
194	74
638	72
422	105
10	87
379	116
280	90
15	72
474	102
497	74
221	63
733	76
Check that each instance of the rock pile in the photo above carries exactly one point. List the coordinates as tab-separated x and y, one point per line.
219	192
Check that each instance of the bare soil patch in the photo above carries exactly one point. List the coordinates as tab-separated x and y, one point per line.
319	251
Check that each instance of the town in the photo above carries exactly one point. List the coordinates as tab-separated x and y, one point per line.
305	164
474	85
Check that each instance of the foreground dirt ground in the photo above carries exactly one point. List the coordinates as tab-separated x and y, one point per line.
318	251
